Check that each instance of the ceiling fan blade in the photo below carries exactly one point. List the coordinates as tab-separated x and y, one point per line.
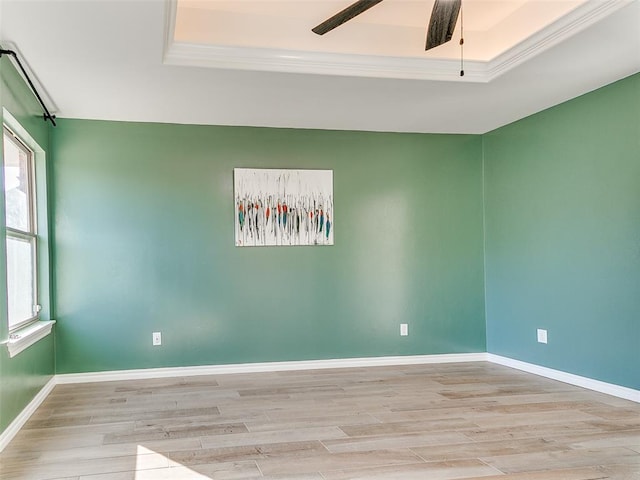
345	15
443	22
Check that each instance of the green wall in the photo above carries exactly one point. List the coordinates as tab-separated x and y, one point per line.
21	377
562	203
145	242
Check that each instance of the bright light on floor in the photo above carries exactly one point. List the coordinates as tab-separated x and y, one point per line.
152	465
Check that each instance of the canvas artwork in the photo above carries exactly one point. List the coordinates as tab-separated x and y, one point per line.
283	207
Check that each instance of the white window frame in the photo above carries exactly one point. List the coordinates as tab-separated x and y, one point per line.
32	234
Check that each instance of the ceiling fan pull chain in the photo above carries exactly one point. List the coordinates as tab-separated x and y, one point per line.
461	39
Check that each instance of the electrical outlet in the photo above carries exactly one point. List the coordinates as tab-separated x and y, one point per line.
157	338
542	336
404	329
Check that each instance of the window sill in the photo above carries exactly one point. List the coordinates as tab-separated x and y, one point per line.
22	339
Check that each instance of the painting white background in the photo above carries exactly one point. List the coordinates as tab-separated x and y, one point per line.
283	207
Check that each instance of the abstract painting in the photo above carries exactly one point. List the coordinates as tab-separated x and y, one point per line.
283	207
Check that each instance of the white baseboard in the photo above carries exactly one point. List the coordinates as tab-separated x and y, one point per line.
15	426
266	367
585	382
147	373
598	386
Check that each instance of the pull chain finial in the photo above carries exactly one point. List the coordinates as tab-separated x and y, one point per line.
461	39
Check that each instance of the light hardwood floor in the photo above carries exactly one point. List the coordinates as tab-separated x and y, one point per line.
447	421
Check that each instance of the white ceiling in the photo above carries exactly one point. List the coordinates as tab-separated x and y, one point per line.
392	28
119	60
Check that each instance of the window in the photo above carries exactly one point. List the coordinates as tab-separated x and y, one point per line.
21	235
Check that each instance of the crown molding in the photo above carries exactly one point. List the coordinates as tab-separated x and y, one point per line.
562	29
411	68
294	61
291	61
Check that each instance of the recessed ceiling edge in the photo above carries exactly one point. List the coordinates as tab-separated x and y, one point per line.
293	61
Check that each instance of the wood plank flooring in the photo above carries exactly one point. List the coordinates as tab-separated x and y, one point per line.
446	421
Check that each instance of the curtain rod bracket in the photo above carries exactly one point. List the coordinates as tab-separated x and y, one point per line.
47	115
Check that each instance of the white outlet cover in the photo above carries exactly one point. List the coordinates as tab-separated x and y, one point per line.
542	336
157	338
404	329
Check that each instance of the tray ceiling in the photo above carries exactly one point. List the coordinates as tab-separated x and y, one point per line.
125	60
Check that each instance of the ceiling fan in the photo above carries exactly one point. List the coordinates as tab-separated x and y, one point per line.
441	25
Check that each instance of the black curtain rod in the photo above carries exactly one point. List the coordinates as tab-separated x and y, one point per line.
47	115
